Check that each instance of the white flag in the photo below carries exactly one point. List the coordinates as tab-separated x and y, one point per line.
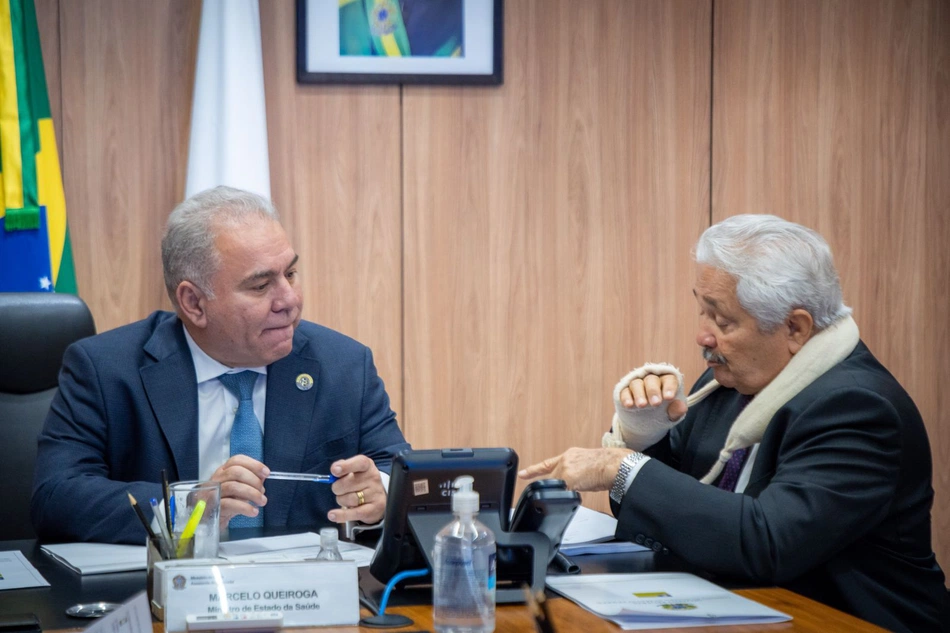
228	120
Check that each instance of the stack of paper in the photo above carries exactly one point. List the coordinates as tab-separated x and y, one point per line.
98	558
661	601
589	532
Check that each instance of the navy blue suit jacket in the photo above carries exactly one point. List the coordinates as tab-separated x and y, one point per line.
127	407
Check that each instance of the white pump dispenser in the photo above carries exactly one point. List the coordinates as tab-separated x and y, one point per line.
464	499
463	588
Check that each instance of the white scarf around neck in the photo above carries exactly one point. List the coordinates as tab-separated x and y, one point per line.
823	351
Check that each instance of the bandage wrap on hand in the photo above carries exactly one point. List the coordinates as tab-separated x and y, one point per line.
638	429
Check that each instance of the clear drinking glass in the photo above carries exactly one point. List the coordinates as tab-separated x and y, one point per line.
196	506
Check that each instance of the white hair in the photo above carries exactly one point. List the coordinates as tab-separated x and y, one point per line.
188	245
778	266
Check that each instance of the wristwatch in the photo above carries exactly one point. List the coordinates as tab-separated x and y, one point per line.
620	481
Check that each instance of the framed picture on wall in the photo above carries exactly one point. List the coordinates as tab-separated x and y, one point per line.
400	41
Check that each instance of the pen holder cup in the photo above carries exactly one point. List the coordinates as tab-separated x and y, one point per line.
159	550
195	509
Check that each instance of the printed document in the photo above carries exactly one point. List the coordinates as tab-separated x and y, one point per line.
17	573
661	601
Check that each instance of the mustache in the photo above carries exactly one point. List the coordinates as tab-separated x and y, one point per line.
710	355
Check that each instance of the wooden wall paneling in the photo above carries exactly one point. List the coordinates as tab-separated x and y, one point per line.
835	115
335	178
928	319
548	224
127	81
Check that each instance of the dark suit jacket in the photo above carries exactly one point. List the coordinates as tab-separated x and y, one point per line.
837	507
127	407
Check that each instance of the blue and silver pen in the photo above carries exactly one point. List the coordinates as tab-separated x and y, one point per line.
319	479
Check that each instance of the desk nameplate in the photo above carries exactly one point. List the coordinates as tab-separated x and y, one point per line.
306	593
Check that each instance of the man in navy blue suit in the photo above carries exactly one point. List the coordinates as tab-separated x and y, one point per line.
157	394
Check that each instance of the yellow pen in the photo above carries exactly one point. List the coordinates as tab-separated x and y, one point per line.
190	527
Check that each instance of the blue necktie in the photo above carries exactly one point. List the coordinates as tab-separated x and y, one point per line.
246	436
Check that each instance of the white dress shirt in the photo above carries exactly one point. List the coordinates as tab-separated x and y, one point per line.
746	471
217	406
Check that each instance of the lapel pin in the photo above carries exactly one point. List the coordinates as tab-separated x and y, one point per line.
304	382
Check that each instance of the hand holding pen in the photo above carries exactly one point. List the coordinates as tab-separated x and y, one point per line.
359	491
242	485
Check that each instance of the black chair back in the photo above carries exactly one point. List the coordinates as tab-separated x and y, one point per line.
35	330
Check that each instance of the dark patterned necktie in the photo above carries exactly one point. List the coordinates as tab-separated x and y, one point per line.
730	474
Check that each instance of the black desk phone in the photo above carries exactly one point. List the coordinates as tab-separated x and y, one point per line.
546	506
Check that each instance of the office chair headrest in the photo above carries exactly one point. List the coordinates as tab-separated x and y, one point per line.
35	330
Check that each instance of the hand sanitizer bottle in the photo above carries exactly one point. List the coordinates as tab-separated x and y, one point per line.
329	550
463	588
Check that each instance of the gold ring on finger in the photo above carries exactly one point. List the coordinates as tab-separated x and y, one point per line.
360	498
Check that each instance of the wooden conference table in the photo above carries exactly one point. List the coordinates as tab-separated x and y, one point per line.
67	588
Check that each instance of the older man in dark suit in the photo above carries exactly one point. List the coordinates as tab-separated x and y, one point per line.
230	387
797	459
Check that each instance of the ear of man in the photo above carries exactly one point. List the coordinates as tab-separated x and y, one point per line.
800	327
192	303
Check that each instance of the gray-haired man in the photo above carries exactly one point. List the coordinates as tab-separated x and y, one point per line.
173	390
827	452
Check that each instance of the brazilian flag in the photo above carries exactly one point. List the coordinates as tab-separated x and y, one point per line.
34	238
